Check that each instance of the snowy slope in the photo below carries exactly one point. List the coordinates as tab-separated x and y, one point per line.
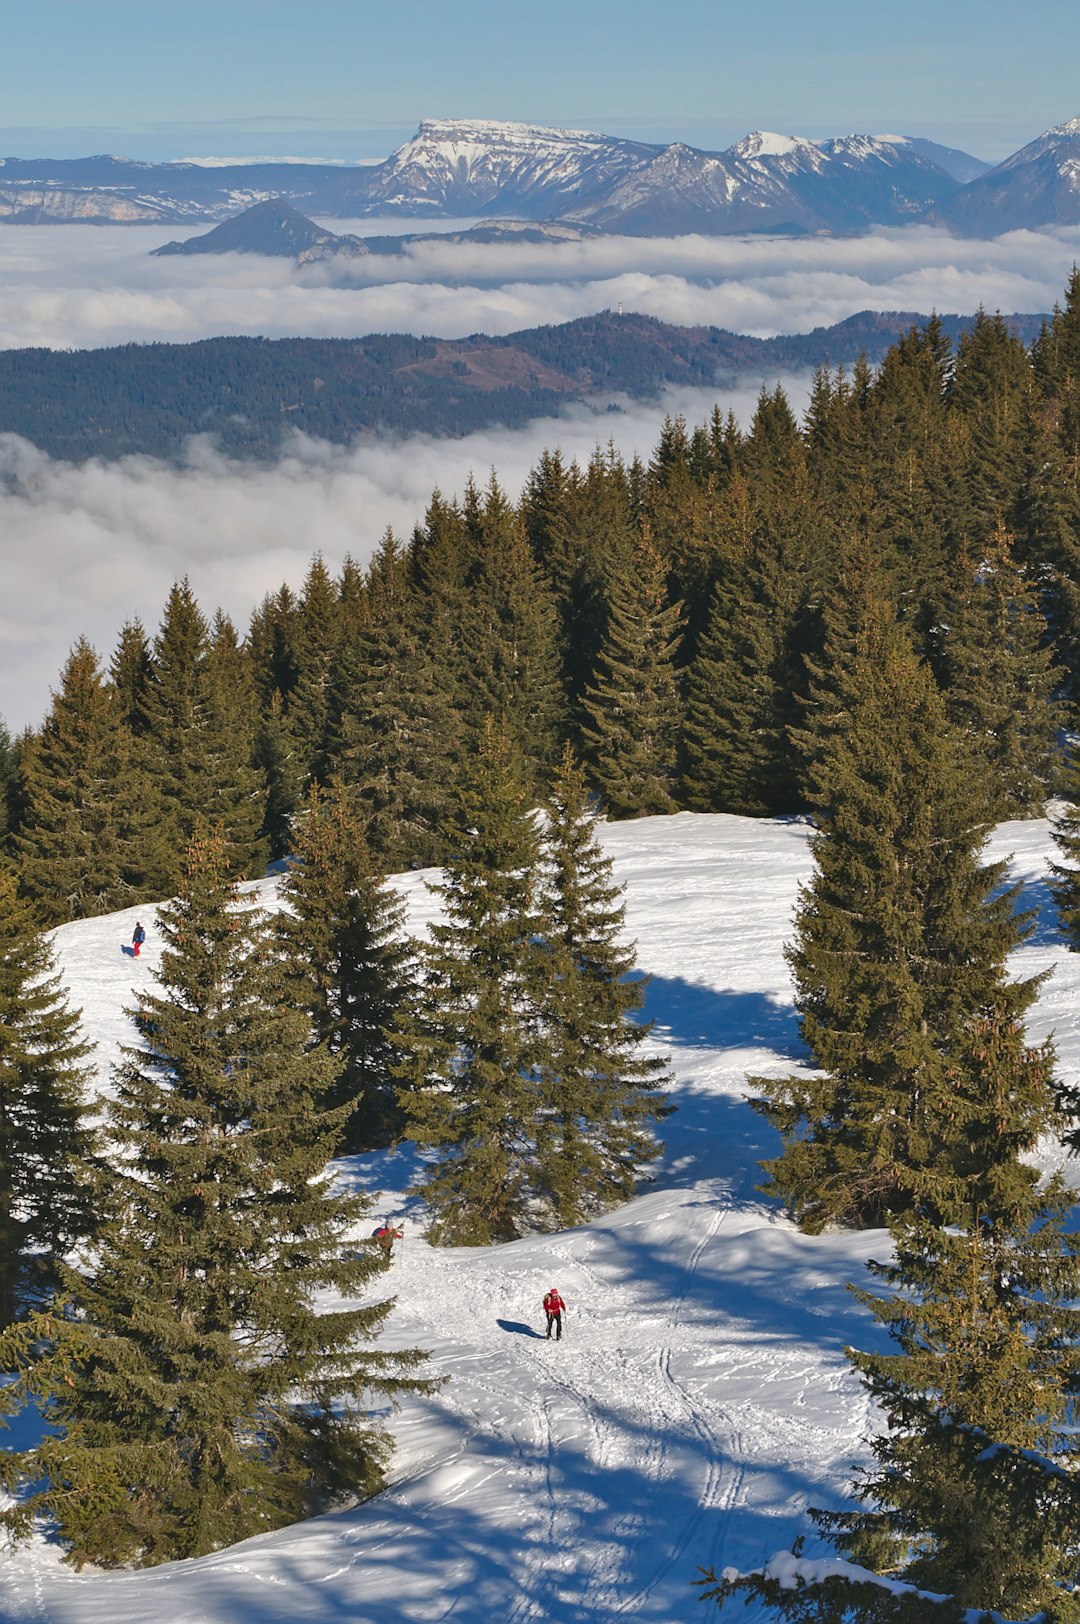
700	1397
1038	186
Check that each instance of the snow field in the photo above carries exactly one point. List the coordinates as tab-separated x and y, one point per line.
700	1397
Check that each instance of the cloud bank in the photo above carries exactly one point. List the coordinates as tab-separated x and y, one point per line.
80	287
85	548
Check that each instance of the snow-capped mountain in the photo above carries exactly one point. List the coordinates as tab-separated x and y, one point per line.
765	182
772	182
476	166
1037	186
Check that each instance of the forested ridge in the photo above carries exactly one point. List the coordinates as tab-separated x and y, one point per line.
248	393
869	618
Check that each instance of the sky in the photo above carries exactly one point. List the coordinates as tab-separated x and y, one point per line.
350	79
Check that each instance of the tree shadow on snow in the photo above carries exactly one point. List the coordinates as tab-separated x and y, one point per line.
1036	897
696	1017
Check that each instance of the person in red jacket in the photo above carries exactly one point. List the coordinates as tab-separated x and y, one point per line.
554	1308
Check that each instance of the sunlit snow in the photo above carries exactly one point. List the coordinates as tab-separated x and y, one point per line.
700	1398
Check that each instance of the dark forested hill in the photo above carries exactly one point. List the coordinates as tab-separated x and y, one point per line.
249	392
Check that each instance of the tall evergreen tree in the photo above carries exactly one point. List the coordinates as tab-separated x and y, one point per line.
600	1093
999	675
973	1495
343	935
632	709
45	1143
901	941
195	1394
470	1050
399	733
201	728
508	640
76	848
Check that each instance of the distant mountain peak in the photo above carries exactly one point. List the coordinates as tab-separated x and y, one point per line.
767	144
271	227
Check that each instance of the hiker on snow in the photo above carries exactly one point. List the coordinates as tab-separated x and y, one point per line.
386	1235
554	1308
137	940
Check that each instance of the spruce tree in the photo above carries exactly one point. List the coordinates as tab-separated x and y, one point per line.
999	675
1066	881
343	936
508	640
901	941
600	1093
194	1392
201	757
400	715
973	1496
80	792
469	1063
632	710
45	1143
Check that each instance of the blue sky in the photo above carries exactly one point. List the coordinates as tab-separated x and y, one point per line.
351	78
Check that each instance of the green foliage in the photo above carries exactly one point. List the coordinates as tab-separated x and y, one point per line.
632	710
45	1143
999	676
199	749
470	1052
519	1063
901	941
599	1092
80	794
973	1496
342	931
194	1392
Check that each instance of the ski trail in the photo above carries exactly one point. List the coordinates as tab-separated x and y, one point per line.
720	1490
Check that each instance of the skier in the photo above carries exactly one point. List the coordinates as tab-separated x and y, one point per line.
386	1235
137	940
554	1308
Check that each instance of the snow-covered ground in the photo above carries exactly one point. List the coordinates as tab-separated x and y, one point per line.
700	1398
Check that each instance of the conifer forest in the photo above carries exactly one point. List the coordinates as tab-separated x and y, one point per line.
867	620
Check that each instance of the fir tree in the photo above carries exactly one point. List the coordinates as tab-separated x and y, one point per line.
508	640
999	676
45	1144
469	1052
77	849
632	710
599	1090
901	941
400	715
1066	882
194	1393
973	1495
201	726
343	936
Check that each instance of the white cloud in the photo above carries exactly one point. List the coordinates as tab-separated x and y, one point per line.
78	286
88	547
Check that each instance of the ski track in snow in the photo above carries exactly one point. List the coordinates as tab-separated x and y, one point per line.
699	1399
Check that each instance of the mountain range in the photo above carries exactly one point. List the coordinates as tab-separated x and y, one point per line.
482	168
248	393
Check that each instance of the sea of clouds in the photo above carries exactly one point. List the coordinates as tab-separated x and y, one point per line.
82	548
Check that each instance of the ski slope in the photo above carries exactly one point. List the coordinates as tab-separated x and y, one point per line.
700	1397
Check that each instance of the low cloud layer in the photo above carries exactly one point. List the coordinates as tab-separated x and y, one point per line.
83	549
86	548
78	286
